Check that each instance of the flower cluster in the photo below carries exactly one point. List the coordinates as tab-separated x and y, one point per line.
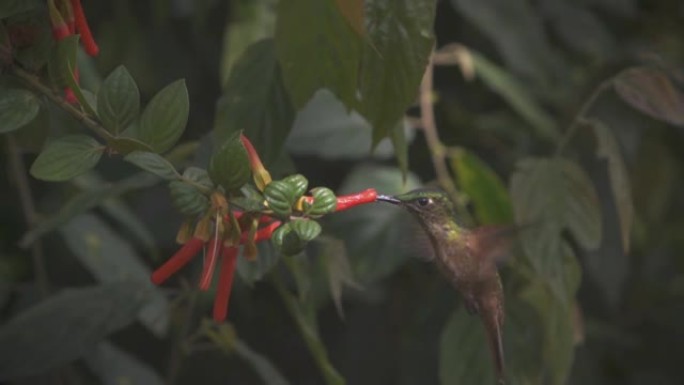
67	18
222	232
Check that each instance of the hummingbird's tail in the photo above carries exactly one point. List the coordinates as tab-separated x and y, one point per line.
493	322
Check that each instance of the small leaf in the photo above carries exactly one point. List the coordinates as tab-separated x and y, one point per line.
298	183
199	176
401	34
280	197
550	196
163	121
229	166
609	149
256	270
651	91
67	157
307	230
292	237
327	37
118	101
187	198
324	202
63	327
154	163
255	100
484	188
17	109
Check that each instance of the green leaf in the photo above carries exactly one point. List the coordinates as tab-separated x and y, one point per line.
324	202
154	163
229	166
651	91
322	52
163	121
516	95
187	198
124	145
17	109
280	197
484	188
517	31
114	366
401	33
67	157
14	7
292	237
256	100
556	314
63	60
111	258
63	327
464	353
339	272
298	184
118	101
553	195
250	22
609	149
198	176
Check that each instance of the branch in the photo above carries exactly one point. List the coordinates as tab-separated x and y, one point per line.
18	171
35	84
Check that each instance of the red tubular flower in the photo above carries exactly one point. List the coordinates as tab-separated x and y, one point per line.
177	261
345	202
83	29
225	284
261	176
60	29
210	263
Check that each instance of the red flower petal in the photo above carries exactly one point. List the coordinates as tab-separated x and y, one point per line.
177	261
225	284
89	44
210	263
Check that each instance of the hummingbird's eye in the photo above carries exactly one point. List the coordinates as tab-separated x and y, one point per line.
424	201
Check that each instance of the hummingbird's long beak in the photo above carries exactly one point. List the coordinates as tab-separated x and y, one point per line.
389	199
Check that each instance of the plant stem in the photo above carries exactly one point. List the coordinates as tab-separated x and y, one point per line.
34	83
438	151
177	353
582	113
18	171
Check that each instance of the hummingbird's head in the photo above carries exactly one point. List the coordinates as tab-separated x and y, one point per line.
428	204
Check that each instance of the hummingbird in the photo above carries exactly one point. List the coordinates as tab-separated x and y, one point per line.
466	257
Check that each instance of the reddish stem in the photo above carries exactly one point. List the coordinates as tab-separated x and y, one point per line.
177	261
262	234
209	263
60	32
225	284
89	44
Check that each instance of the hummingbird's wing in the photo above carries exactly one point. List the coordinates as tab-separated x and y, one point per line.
491	243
